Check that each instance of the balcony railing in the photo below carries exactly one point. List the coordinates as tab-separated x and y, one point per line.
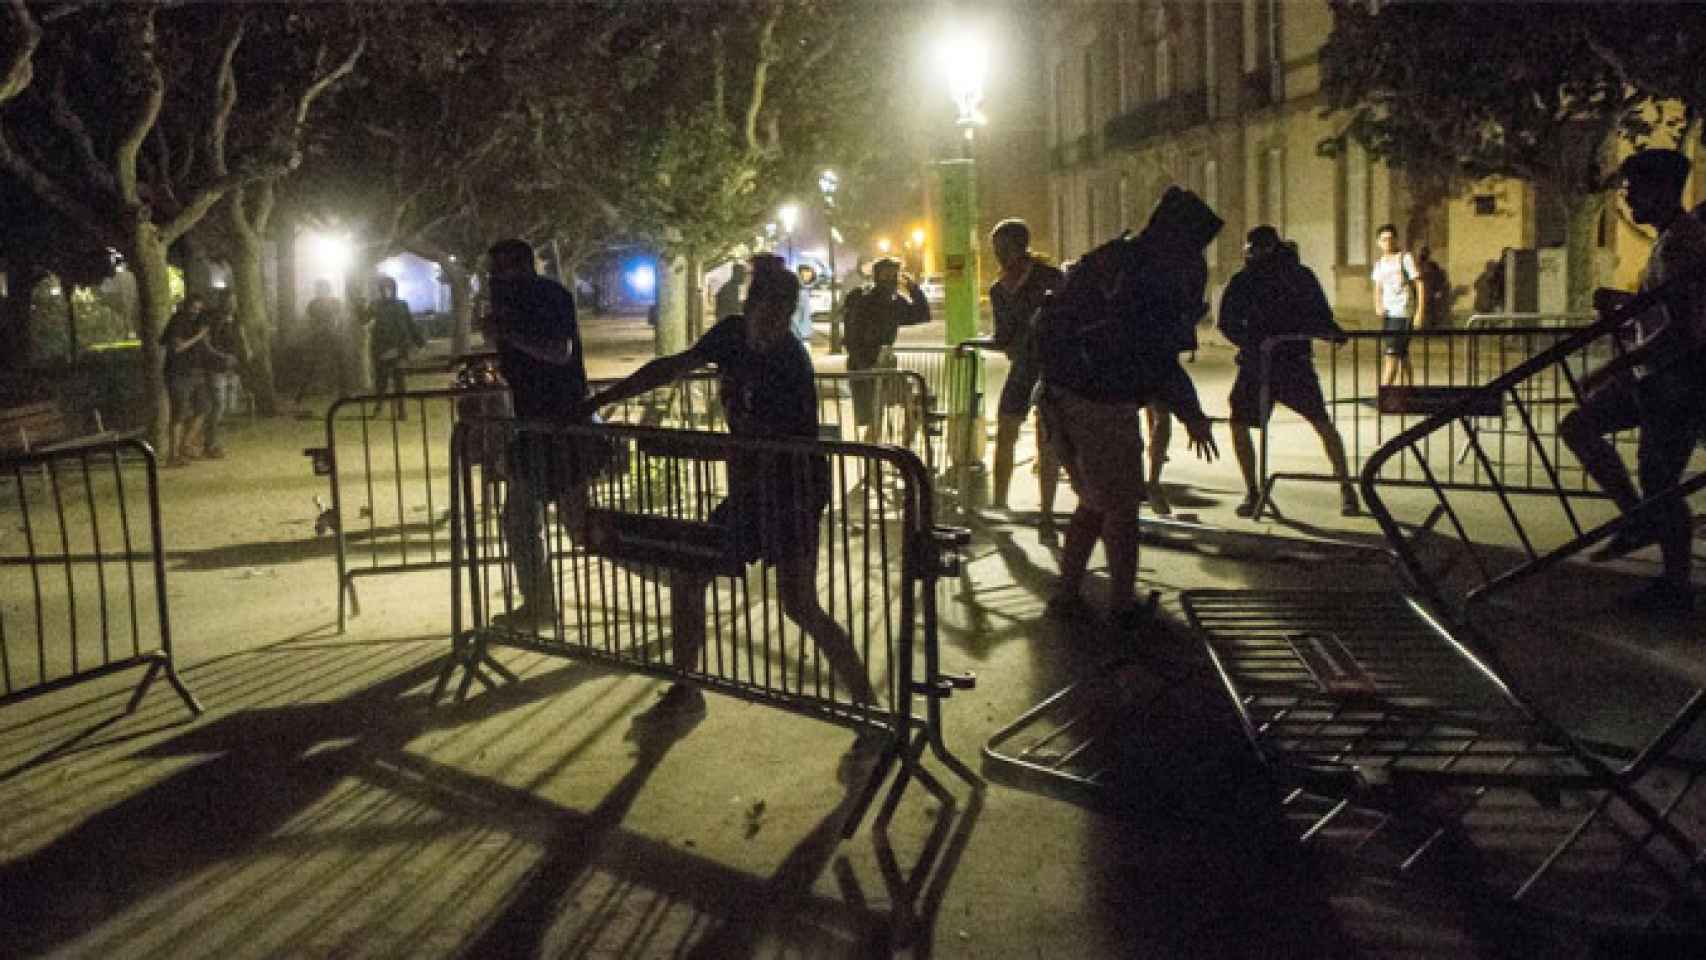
1178	112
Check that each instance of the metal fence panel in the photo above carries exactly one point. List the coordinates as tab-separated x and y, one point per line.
390	480
838	622
82	575
1517	439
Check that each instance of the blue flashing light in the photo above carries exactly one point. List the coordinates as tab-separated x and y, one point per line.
642	279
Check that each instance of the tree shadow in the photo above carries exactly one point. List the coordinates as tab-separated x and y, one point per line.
386	540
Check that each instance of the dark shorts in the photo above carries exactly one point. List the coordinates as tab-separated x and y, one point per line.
1017	393
1397	341
189	394
773	508
871	394
1294	386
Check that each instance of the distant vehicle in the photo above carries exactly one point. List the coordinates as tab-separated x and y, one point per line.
819	293
934	289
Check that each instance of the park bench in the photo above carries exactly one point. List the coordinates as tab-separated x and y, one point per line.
44	427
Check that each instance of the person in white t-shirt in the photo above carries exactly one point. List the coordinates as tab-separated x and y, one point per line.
1399	301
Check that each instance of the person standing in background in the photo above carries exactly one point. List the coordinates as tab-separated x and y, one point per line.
1399	299
395	338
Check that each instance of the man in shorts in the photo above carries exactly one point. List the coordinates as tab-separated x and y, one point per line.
1275	295
1015	298
1658	384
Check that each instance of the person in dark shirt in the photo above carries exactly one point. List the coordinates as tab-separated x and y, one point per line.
1015	298
395	336
531	323
872	319
186	379
729	294
1275	295
220	354
775	500
1104	352
1657	384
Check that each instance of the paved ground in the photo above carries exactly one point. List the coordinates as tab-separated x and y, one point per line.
321	809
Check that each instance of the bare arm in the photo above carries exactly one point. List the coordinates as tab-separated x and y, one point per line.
658	373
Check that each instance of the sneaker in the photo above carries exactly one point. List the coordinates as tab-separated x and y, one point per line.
1660	596
1626	541
682	701
1349	505
1158	501
1247	509
527	618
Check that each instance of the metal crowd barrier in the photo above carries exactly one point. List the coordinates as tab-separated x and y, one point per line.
1446	366
954	389
1532	534
662	542
389	478
82	573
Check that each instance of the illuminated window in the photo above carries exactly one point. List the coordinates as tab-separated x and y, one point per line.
1355	228
1163	57
1273	188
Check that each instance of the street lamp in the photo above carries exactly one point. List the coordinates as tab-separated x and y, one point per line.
964	60
883	246
827	183
789	215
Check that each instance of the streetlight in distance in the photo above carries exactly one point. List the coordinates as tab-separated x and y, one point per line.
883	246
964	60
789	215
918	245
827	183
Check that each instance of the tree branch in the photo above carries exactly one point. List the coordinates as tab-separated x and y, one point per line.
66	119
322	84
154	95
23	36
225	97
54	194
211	193
760	75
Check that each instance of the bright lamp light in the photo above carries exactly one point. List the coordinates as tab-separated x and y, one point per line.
964	60
789	215
331	252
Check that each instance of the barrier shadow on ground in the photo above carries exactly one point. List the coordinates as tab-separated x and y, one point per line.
319	824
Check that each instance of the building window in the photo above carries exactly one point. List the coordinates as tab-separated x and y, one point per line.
1122	54
1210	194
1060	223
1163	57
1355	228
1089	216
1060	103
1089	90
1273	188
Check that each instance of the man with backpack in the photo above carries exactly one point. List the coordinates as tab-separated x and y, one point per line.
1275	295
1103	355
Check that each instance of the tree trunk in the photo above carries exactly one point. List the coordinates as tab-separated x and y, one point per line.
1581	241
461	306
147	259
673	296
16	341
69	292
358	295
250	293
695	298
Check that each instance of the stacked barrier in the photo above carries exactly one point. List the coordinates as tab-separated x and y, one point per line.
390	484
1446	365
640	555
82	575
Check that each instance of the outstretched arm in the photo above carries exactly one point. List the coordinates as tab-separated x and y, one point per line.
658	373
